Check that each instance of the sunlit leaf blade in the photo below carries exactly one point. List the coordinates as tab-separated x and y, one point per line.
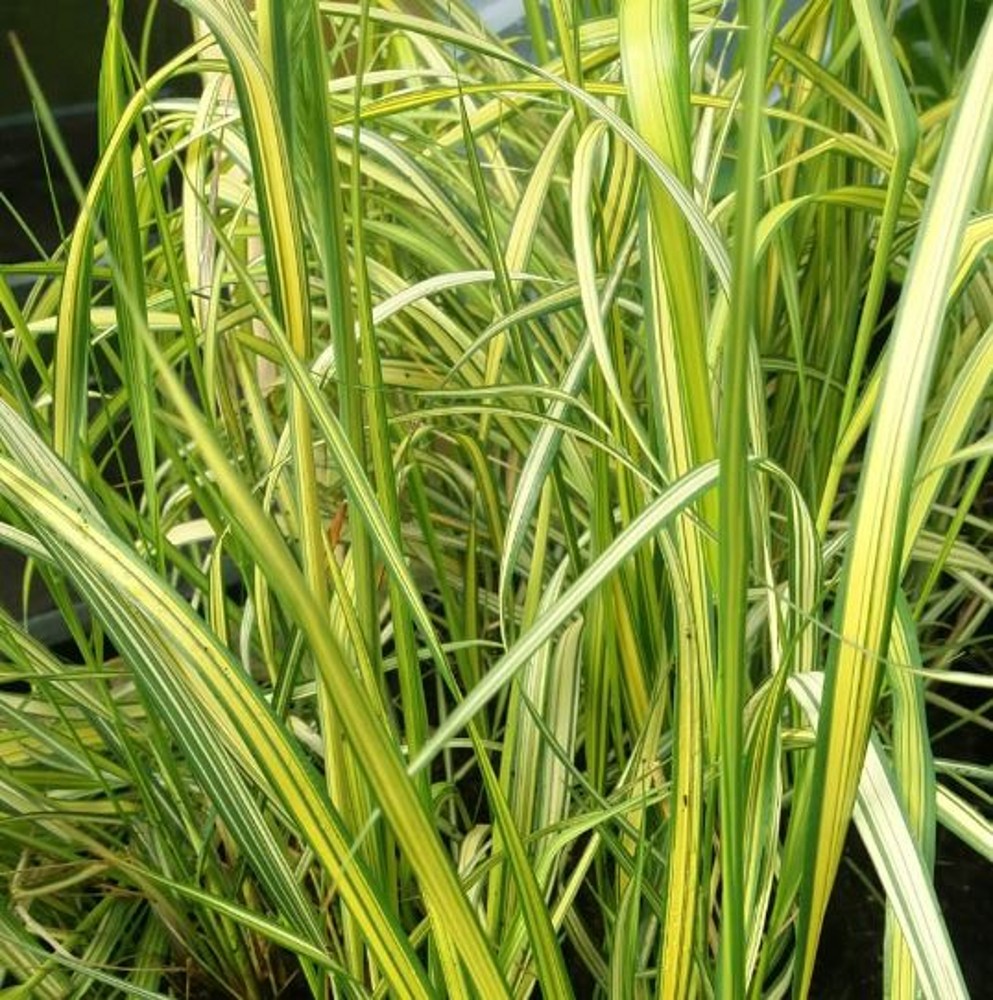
873	560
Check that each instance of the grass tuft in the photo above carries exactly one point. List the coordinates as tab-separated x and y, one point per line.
508	503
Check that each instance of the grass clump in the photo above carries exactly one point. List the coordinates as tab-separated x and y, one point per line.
510	503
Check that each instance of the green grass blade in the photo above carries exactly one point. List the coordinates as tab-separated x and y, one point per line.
123	230
914	780
733	513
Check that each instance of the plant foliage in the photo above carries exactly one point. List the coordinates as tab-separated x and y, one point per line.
510	502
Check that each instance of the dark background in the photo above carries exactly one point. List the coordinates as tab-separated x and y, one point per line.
62	40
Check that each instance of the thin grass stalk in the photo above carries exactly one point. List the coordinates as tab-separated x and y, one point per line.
71	368
733	496
123	241
303	74
411	690
913	767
